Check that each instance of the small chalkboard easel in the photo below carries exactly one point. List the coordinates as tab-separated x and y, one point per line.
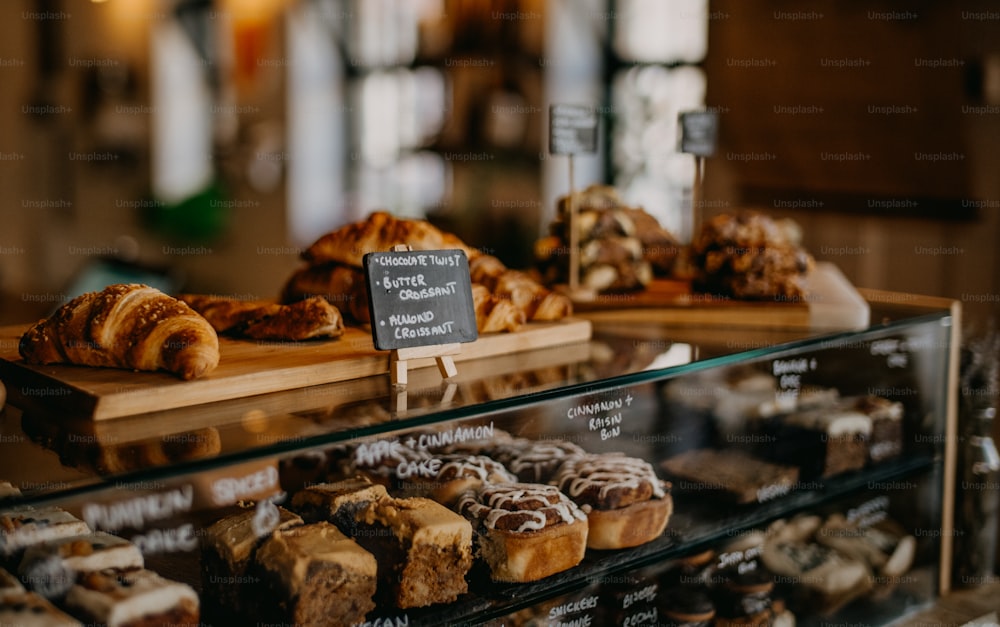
421	307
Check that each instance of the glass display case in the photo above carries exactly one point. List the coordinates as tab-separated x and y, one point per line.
807	471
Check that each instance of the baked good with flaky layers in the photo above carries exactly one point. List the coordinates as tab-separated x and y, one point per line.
622	247
377	233
313	573
130	326
749	255
525	531
343	286
133	598
306	319
626	503
504	299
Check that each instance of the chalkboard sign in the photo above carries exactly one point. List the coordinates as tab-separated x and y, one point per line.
698	132
420	298
572	129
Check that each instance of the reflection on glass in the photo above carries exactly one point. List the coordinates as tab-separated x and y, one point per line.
647	165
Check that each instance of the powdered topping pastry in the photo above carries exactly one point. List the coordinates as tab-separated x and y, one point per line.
519	507
608	481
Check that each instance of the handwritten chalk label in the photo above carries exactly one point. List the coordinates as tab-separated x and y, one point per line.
572	129
699	130
603	415
420	298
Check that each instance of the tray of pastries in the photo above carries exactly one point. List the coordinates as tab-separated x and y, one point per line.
131	349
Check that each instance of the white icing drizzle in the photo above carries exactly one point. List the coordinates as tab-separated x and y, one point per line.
608	472
531	459
477	467
493	503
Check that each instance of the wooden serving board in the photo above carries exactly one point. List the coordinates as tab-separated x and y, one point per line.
246	368
831	302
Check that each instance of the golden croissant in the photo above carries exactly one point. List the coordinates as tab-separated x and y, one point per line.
125	326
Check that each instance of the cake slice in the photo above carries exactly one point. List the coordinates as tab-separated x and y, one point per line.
731	474
133	598
822	442
227	550
24	526
887	426
337	502
312	573
424	549
52	567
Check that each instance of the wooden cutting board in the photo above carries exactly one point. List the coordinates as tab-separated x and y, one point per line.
831	302
246	368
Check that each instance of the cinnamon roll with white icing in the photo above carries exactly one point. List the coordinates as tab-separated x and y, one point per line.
625	502
525	531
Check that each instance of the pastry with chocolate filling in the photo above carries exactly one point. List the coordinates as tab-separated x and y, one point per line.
626	503
227	550
313	573
525	532
133	598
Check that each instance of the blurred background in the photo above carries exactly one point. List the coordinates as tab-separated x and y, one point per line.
202	144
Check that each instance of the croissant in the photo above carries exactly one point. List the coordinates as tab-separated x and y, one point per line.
379	233
494	315
125	326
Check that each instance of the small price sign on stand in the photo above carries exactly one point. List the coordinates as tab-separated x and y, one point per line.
421	306
573	130
698	135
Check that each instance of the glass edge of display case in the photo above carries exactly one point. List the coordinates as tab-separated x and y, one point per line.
285	447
